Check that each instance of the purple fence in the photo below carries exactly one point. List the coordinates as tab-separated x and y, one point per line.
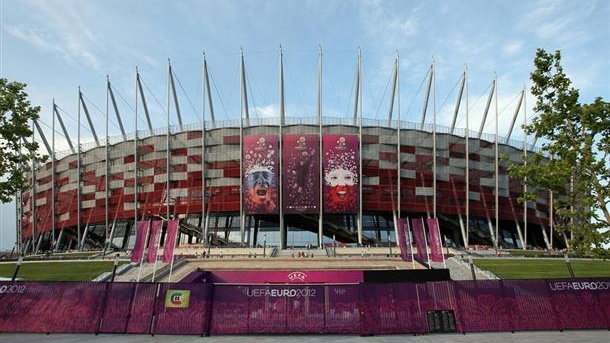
218	309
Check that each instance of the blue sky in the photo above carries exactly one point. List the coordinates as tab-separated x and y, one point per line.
56	46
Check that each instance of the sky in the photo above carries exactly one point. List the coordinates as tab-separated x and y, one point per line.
56	46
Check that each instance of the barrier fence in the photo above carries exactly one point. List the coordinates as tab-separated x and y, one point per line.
202	309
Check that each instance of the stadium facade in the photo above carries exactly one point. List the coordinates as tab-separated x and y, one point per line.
283	181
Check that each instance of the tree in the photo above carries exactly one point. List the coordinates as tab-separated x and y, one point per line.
574	159
16	146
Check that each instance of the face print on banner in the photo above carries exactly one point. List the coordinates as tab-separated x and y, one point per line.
260	165
341	169
301	172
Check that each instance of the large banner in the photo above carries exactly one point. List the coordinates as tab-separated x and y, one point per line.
300	154
153	241
170	241
434	240
141	235
404	240
341	173
417	224
260	166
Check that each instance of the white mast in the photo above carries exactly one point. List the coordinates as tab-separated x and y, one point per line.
283	230
244	110
53	215
358	111
497	171
434	171
467	136
321	172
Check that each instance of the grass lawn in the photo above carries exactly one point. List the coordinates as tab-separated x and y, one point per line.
539	269
58	271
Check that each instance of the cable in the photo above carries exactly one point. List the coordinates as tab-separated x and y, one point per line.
417	93
383	96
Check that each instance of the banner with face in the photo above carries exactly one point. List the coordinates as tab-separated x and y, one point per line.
341	173
260	166
301	172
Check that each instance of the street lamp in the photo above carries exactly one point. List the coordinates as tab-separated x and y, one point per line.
17	268
265	245
567	259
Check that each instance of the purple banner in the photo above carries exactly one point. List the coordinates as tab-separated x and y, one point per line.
341	173
141	236
287	276
260	167
170	241
434	240
301	158
153	240
365	308
404	240
419	234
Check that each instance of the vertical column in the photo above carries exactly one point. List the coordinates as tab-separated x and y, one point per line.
283	229
359	109
78	166
497	172
106	175
135	156
524	243
398	155
434	171
244	108
204	230
33	191
467	138
53	190
321	171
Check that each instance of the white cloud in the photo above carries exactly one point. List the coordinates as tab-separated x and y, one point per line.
268	111
60	29
513	47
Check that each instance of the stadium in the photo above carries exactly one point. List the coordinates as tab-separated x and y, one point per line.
90	196
290	225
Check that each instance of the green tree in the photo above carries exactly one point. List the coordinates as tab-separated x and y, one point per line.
574	160
16	146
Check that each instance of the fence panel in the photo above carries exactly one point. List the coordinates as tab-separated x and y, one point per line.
530	303
492	305
483	306
577	303
51	307
179	313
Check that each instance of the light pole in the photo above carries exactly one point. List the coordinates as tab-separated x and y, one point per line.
474	276
569	265
116	263
17	268
265	245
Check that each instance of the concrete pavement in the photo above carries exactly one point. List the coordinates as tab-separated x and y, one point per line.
497	337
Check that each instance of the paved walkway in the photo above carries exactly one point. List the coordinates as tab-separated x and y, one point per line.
502	337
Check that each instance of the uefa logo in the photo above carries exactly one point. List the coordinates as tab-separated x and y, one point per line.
297	277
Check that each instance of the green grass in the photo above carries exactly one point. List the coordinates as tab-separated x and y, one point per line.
539	269
58	271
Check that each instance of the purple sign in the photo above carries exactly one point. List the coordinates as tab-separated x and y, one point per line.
287	276
153	241
141	235
419	234
341	173
301	158
260	166
170	241
434	240
404	240
364	308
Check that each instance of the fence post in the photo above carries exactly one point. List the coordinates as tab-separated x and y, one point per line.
211	289
154	311
103	309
